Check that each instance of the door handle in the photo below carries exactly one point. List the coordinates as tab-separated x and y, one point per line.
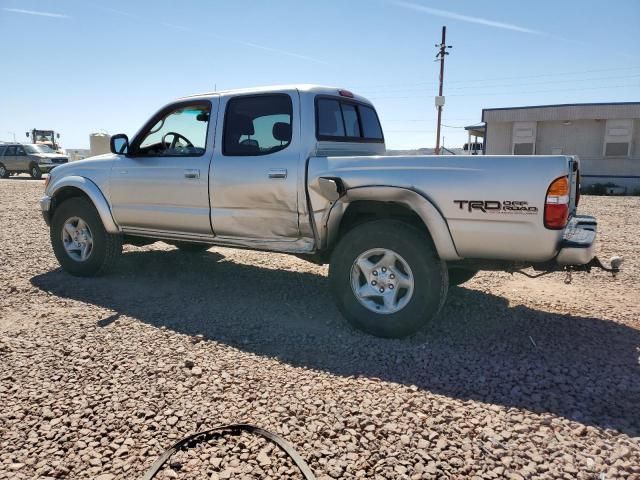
191	173
278	173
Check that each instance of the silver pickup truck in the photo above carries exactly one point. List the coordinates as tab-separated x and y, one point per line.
301	169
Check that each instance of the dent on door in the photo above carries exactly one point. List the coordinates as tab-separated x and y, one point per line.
254	178
269	213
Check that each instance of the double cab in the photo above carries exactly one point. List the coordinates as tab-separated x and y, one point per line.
302	169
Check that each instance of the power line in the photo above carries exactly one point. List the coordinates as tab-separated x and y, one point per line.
476	80
528	92
523	84
419	119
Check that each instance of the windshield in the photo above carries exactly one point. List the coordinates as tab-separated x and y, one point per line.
38	149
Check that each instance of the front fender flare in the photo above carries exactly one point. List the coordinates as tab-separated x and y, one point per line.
92	191
422	206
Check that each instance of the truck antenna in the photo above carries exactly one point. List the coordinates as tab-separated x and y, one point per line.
442	52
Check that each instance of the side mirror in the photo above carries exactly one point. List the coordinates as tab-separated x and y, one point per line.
119	144
57	135
27	134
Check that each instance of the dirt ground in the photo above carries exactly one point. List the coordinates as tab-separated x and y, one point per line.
517	378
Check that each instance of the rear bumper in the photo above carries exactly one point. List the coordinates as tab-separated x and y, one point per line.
578	242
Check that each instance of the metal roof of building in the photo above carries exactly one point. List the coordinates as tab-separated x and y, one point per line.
566	111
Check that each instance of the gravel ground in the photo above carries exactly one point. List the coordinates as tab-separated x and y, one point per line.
516	379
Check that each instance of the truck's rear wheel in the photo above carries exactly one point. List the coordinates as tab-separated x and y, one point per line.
458	276
35	172
4	173
387	279
79	240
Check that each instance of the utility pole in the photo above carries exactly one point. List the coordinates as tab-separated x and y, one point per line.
442	52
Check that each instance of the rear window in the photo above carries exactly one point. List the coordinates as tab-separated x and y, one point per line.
2	149
346	121
370	123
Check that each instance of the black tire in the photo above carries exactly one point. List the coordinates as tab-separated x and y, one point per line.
416	248
106	246
458	276
35	172
4	173
189	247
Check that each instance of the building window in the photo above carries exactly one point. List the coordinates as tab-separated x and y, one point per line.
616	149
523	138
618	137
523	149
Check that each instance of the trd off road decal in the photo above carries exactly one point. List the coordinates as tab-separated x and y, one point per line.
494	206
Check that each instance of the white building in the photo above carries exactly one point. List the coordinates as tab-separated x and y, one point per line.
606	137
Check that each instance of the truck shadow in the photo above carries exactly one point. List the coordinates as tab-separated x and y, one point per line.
584	369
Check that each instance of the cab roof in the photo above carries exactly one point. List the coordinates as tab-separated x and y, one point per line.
302	88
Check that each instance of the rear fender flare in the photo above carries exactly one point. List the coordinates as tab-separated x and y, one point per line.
421	205
92	191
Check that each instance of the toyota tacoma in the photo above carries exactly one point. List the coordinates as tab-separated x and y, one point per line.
302	170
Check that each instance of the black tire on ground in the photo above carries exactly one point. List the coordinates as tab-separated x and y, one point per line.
35	172
429	272
4	173
106	249
190	247
458	276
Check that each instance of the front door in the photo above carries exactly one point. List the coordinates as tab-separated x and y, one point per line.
255	172
10	160
161	184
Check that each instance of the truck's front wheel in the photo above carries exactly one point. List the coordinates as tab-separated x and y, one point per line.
387	278
81	244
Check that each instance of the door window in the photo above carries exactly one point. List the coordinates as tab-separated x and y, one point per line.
257	125
11	152
20	151
180	132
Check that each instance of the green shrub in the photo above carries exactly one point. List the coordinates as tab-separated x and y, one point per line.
597	188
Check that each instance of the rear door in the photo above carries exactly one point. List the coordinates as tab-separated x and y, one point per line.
21	159
255	171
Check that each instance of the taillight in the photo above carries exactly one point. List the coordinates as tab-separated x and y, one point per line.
46	181
556	205
345	93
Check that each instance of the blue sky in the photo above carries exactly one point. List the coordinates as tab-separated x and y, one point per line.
78	66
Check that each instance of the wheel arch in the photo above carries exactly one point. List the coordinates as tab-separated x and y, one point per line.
76	186
376	202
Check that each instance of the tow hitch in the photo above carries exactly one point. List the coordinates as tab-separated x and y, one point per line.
615	262
614	269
